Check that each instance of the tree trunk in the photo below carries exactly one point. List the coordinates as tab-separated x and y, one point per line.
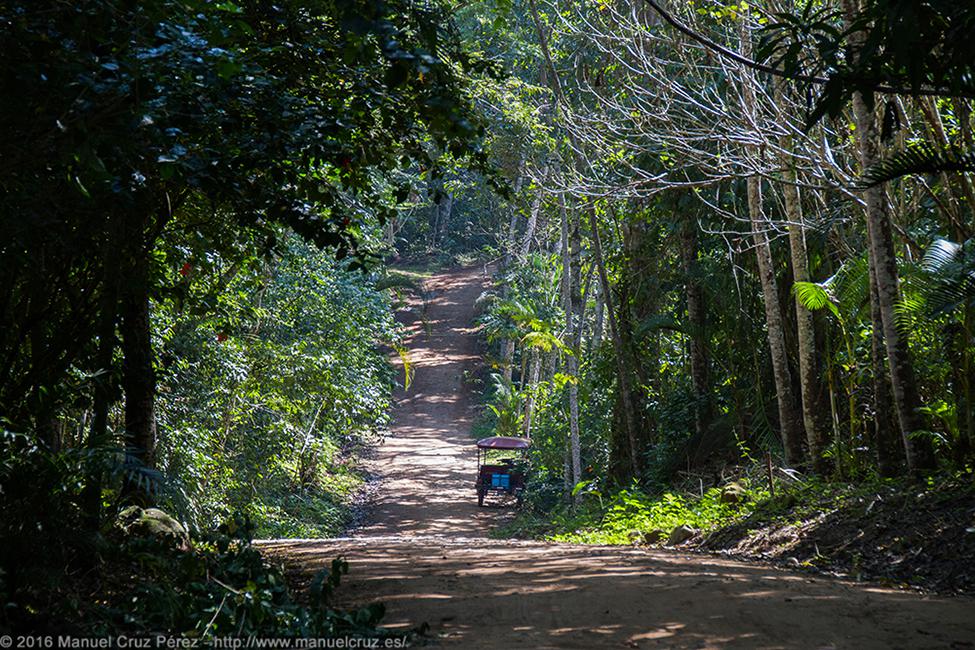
534	372
526	240
966	419
809	382
445	208
697	326
966	388
598	324
886	445
884	264
440	214
572	361
508	243
789	423
507	358
43	384
104	371
788	417
138	375
511	234
623	376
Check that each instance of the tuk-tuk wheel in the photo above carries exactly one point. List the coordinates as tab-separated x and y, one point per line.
480	498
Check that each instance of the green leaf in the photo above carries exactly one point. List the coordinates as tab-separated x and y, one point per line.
814	297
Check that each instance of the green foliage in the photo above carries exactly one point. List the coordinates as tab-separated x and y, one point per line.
919	158
222	587
814	297
136	129
950	281
616	518
58	573
894	38
265	397
506	405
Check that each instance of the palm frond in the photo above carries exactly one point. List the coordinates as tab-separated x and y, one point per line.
920	158
656	322
542	340
814	297
950	271
850	285
908	311
940	255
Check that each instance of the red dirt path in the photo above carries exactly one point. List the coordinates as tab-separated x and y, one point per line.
424	551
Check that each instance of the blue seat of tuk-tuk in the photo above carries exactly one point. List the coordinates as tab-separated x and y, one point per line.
502	481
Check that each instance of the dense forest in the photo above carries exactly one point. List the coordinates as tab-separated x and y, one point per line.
730	242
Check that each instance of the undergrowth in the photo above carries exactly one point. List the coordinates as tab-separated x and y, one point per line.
619	517
899	533
72	566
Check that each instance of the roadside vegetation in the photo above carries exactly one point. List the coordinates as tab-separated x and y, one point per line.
735	252
731	240
194	309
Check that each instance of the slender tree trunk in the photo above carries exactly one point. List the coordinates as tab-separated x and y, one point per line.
534	372
598	324
887	447
966	419
966	387
532	225
556	86
929	108
788	417
961	344
507	358
42	406
138	375
884	263
623	376
789	422
440	215
434	215
104	382
572	361
567	483
697	322
816	434
809	380
446	210
510	235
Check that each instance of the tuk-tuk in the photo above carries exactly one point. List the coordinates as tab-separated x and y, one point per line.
504	473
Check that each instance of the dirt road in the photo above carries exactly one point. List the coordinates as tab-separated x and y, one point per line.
428	463
424	552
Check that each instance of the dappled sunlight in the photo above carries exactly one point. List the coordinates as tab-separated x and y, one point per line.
425	551
428	460
520	591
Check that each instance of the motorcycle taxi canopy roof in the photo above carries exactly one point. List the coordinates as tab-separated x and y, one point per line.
503	442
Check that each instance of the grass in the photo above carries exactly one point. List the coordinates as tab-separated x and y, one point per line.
895	532
632	514
319	509
401	278
626	515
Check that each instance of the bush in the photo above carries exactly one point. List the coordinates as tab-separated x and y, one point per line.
60	572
